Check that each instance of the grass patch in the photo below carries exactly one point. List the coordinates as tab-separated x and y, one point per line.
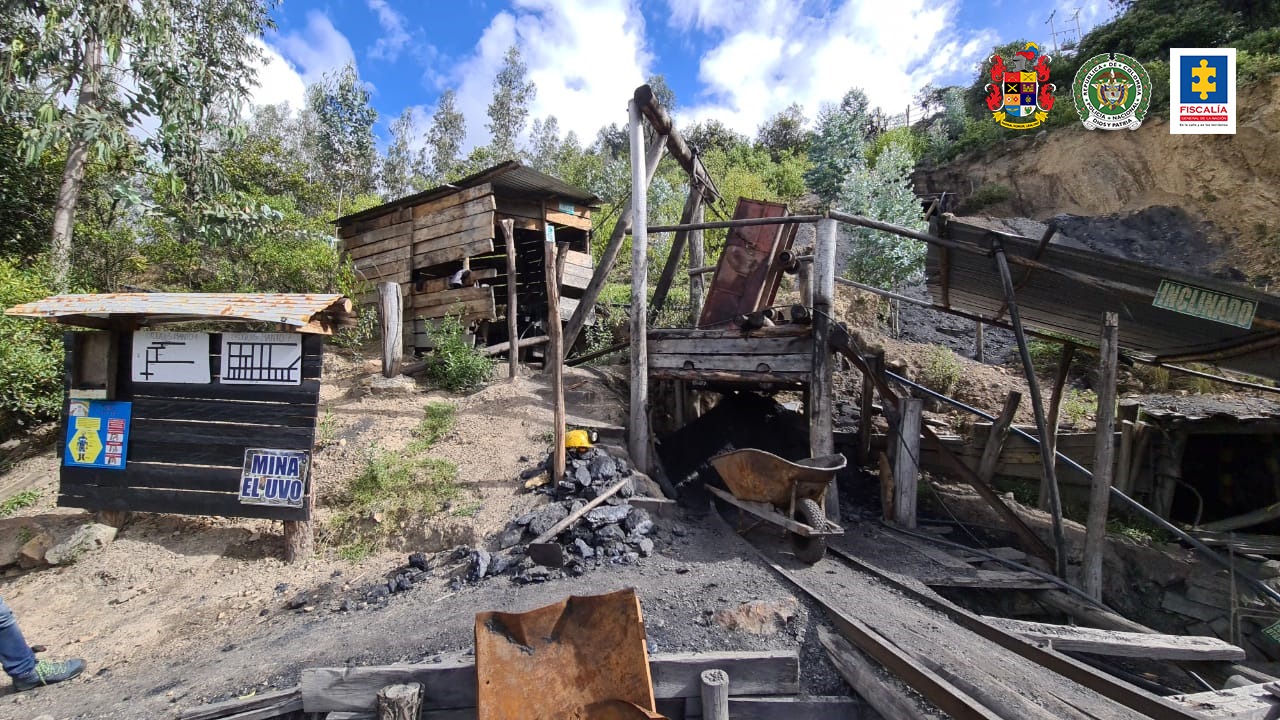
327	429
941	370
986	196
1079	405
24	499
395	487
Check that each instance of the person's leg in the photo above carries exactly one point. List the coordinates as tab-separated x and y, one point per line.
15	655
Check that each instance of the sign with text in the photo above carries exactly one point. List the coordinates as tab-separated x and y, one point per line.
170	357
1207	304
261	358
274	477
97	434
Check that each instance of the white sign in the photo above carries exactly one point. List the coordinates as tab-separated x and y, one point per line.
261	359
1202	91
170	357
273	477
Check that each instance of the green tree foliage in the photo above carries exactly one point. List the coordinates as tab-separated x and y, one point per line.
509	109
882	190
27	195
444	138
344	132
404	167
30	353
784	133
186	64
839	145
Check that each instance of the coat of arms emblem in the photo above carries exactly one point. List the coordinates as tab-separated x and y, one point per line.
1112	92
1020	95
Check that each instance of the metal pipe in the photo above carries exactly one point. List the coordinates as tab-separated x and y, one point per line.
745	222
1046	459
1129	502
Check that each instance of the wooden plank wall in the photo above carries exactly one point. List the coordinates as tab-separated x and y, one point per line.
187	442
781	354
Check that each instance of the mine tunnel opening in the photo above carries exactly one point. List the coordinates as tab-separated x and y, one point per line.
1225	475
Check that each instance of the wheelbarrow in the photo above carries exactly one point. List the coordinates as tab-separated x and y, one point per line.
789	494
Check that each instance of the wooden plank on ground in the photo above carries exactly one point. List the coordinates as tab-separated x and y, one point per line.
1122	644
890	698
279	702
1250	702
451	683
993	580
821	707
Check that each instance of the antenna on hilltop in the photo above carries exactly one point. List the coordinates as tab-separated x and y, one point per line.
1052	32
1065	32
1076	18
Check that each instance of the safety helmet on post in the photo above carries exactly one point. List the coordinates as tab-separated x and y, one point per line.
577	440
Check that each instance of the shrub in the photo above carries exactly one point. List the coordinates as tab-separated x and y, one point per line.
454	362
941	371
30	354
985	196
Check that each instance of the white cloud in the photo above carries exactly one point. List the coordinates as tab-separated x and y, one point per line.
316	49
772	53
584	56
278	81
394	37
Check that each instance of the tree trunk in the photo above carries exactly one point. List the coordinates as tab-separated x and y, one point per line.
64	208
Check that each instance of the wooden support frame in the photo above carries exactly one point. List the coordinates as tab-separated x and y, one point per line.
1055	409
692	204
821	418
906	465
555	359
997	436
1095	538
639	434
513	352
697	257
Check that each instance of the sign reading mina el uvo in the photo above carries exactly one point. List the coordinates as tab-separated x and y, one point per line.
273	477
1207	304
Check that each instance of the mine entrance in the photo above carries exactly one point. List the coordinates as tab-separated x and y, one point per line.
1228	475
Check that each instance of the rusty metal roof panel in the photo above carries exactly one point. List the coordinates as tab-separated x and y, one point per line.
300	311
1068	295
511	178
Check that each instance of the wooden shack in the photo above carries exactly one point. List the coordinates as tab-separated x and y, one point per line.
420	241
199	422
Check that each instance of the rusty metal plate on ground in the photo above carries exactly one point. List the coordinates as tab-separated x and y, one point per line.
743	273
582	658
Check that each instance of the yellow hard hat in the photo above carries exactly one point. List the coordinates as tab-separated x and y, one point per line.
577	440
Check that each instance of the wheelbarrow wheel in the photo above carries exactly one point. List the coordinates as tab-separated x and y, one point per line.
810	549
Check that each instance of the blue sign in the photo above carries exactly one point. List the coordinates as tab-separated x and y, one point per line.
551	233
97	434
274	477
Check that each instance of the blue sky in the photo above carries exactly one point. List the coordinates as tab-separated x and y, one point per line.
738	61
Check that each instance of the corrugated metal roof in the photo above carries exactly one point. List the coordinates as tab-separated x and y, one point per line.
313	313
510	177
1079	285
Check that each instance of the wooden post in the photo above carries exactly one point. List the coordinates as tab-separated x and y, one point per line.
821	439
715	695
114	518
804	279
390	323
979	349
400	702
1055	408
555	358
1046	459
1095	538
906	463
614	246
997	436
875	364
513	355
639	430
697	258
691	205
299	536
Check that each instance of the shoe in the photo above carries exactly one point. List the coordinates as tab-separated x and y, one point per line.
48	673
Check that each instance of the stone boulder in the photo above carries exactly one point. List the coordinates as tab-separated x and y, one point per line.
86	538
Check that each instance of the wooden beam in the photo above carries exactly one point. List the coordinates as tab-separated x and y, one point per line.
906	464
1095	538
887	695
610	255
783	707
866	417
997	436
1119	643
1055	410
697	258
639	439
451	683
647	104
821	379
555	358
691	205
513	351
513	348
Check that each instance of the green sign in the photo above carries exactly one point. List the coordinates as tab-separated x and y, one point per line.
1208	304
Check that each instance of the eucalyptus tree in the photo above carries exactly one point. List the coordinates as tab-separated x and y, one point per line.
509	109
344	132
135	85
445	136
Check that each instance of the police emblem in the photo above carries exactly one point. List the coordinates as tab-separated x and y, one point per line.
1112	92
1020	95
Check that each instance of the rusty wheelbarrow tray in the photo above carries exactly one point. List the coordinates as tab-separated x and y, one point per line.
789	494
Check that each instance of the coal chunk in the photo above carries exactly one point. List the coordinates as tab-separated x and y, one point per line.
546	517
603	467
511	536
582	476
645	546
479	564
418	561
498	564
607	514
584	549
302	599
610	533
638	522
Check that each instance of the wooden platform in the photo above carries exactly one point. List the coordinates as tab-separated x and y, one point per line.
768	357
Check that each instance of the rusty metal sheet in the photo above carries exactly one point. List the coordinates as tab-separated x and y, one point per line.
743	270
763	477
299	311
583	657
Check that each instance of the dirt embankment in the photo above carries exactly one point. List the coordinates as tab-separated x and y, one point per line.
1231	181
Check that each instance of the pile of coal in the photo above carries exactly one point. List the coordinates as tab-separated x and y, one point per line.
613	532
